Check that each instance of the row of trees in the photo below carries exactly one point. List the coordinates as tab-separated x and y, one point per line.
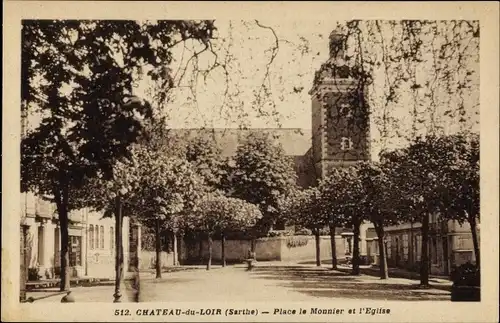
96	145
195	189
434	175
77	80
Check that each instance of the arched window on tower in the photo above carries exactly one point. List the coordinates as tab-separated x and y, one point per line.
346	143
345	110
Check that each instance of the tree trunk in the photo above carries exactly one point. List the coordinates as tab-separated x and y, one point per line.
355	252
175	253
318	247
119	250
200	248
65	268
223	251
61	197
473	229
158	249
333	246
384	270
209	263
424	265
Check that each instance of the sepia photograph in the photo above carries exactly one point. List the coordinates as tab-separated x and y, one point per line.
251	160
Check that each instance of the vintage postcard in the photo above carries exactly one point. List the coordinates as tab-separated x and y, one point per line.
250	161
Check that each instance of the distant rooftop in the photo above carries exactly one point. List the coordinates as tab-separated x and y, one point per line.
295	141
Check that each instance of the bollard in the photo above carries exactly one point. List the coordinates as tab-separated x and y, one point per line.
68	298
118	297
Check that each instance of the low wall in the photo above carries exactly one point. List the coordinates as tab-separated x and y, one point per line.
101	263
304	248
148	259
291	248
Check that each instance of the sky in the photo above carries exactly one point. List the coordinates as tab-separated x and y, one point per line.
223	100
304	47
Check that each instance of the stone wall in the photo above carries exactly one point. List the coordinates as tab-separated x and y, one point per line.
290	249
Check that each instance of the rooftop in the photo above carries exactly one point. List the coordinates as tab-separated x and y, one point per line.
295	141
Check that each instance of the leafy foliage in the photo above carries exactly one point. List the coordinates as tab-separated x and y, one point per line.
460	182
343	192
261	175
436	175
77	79
207	158
78	76
218	213
153	186
378	194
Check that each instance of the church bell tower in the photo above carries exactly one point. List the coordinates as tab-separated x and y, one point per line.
340	114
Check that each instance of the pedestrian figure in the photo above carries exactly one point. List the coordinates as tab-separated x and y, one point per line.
251	259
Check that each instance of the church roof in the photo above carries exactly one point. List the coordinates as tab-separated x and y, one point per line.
295	141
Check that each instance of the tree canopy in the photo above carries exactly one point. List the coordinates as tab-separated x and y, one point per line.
262	173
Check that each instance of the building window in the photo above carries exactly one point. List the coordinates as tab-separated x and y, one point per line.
41	242
434	252
111	238
405	246
96	237
75	251
419	247
388	245
91	236
102	237
346	143
462	243
347	246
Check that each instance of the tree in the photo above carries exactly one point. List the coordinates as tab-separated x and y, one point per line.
261	174
379	192
417	172
306	208
168	188
154	188
207	159
349	195
459	187
77	76
218	213
313	216
55	163
331	189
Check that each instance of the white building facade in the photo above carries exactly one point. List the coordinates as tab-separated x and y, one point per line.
91	241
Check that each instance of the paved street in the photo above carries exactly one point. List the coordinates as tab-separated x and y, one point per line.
268	282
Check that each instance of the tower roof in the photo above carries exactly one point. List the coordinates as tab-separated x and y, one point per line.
337	44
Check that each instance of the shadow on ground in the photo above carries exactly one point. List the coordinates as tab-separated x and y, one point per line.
323	262
322	282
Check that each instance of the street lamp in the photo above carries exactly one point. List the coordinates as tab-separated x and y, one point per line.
119	246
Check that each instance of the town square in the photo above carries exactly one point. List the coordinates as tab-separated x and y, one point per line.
180	160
